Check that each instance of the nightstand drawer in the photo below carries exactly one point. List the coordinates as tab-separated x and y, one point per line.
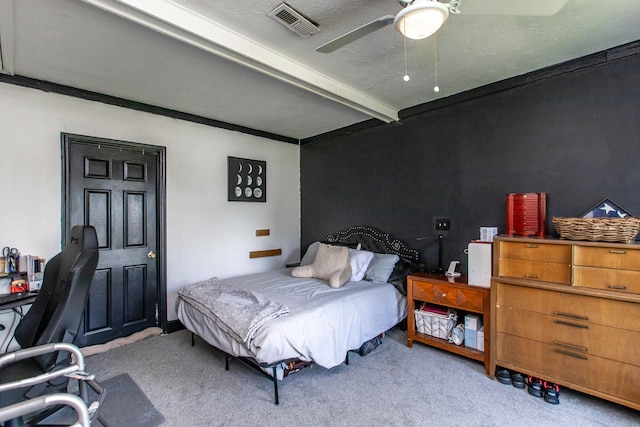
534	270
466	299
615	258
422	291
604	278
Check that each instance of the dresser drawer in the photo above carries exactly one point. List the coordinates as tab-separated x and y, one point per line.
616	258
536	252
549	362
467	299
571	335
606	312
535	270
605	278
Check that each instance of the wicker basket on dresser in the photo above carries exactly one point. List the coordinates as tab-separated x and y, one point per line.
568	312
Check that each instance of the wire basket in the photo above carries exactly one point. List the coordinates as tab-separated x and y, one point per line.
437	326
598	229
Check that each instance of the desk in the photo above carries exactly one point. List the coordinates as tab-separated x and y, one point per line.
14	302
11	301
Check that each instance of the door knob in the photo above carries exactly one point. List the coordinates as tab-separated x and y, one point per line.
151	255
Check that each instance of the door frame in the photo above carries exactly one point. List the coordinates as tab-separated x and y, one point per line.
66	140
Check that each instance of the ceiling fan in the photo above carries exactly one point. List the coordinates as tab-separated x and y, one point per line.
421	18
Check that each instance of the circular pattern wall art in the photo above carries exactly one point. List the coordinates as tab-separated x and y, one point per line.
247	180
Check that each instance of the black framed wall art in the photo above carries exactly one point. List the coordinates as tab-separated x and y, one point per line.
247	181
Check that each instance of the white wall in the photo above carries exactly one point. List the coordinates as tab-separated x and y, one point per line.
206	235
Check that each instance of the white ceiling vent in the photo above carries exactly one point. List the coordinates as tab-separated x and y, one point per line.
294	20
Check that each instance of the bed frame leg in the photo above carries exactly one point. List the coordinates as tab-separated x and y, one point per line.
275	384
226	365
193	339
346	359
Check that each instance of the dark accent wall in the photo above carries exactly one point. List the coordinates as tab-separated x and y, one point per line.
572	131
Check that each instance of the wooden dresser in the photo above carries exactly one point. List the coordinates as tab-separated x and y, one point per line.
568	312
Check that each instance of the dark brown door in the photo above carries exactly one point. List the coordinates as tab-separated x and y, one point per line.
113	186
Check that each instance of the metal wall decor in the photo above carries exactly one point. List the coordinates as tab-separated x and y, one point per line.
247	180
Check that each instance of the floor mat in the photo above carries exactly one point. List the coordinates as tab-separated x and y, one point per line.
124	405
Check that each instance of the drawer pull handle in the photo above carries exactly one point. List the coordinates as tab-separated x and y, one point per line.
444	295
618	287
574	325
570	316
568	353
571	346
531	276
532	246
617	251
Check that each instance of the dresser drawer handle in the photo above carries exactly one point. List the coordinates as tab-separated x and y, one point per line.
444	295
618	287
531	276
617	251
568	353
571	346
574	325
532	246
570	316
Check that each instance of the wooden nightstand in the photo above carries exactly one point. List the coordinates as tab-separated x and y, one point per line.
454	293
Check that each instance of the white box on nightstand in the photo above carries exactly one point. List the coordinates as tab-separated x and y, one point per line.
472	322
480	339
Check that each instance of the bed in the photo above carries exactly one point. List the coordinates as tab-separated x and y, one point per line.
302	320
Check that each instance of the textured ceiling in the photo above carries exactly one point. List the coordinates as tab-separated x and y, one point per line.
167	53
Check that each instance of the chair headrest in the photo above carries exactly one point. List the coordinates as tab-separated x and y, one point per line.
82	237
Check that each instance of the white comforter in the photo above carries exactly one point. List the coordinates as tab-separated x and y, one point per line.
323	324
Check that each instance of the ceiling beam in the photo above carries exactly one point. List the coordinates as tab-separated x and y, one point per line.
6	37
189	27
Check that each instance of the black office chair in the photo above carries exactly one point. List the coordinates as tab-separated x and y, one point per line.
54	317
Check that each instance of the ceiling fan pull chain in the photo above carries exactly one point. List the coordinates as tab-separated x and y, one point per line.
406	75
435	61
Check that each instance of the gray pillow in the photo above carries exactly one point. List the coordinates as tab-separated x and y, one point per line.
310	255
381	267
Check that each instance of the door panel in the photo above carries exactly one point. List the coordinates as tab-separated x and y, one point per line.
115	189
97	311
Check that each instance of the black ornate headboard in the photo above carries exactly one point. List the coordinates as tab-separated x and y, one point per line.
375	241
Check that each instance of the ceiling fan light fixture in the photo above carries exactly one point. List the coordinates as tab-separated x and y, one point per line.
421	19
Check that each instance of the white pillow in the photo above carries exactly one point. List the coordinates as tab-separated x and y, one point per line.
359	261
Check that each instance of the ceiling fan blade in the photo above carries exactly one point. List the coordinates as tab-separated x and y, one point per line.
511	7
355	34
